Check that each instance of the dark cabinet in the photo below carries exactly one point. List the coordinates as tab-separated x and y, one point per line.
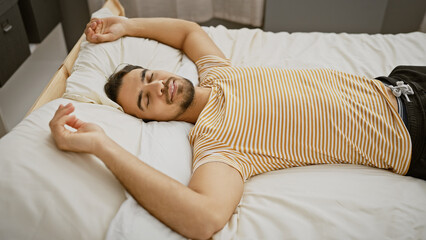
40	17
14	47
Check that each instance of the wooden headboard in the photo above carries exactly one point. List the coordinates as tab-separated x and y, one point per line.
56	86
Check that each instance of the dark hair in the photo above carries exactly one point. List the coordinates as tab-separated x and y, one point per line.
114	81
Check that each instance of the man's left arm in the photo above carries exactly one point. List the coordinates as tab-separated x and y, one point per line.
181	34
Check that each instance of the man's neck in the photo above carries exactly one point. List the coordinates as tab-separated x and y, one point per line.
201	97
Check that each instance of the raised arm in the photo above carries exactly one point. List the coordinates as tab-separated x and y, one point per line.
196	211
184	35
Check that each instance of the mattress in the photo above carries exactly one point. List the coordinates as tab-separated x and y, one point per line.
50	194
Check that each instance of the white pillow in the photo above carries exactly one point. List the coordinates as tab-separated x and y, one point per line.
96	62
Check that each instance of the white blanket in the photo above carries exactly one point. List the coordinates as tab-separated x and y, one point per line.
49	194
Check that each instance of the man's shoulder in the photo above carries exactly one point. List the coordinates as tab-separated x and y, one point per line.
210	61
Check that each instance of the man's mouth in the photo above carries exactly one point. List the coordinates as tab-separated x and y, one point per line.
172	89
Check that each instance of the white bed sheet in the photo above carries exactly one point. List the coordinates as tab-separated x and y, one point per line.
49	194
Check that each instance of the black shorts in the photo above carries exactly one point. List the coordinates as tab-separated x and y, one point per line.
415	77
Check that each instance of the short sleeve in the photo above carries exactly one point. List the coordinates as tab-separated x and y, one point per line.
207	149
206	63
242	168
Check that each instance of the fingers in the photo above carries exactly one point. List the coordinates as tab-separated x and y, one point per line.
93	23
57	124
92	28
63	110
89	26
82	140
90	35
103	30
99	25
74	122
60	118
108	37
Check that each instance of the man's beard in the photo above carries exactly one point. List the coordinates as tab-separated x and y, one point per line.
188	91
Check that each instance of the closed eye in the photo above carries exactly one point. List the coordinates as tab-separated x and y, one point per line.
139	104
151	77
147	100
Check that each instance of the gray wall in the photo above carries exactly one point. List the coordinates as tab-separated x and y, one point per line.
353	16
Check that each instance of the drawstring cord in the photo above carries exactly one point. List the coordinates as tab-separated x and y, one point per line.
401	89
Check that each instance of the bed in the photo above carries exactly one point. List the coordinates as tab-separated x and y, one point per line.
46	193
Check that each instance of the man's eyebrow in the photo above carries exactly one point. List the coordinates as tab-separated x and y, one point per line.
141	92
143	74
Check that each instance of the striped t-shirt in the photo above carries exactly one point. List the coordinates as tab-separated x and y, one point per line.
260	119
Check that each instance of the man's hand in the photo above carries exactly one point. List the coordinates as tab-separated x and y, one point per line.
85	139
105	29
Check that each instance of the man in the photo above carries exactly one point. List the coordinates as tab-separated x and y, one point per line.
247	121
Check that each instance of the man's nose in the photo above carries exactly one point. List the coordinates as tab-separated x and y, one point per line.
157	87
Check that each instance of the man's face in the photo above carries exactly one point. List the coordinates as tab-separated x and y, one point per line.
154	94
